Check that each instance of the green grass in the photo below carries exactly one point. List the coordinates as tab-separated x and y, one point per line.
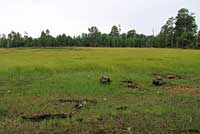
32	79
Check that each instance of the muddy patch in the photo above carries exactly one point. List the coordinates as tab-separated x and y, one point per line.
183	89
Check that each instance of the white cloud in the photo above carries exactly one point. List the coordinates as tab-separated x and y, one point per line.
75	16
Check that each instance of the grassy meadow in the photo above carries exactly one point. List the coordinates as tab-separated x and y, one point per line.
31	80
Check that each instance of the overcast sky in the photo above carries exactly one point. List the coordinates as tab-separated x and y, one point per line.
73	17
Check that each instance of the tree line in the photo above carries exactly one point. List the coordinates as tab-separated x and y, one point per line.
178	32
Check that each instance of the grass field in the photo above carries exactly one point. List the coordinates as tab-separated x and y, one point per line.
32	80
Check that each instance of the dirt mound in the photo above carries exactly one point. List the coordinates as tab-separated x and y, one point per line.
105	80
158	82
167	76
130	84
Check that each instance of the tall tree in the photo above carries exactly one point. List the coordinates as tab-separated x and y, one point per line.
93	31
46	40
93	34
185	28
167	33
3	41
131	33
114	31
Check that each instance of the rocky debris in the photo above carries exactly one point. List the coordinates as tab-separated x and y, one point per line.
105	80
158	82
40	117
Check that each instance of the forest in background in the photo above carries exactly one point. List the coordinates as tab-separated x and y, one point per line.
178	32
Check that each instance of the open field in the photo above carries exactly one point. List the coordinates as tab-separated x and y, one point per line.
33	80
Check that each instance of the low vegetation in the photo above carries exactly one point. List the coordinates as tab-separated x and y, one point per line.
48	84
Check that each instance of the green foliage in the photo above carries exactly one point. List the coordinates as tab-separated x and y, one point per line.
131	33
114	31
178	32
198	40
185	22
167	34
185	29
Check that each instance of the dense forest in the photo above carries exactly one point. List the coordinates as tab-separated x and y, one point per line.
178	32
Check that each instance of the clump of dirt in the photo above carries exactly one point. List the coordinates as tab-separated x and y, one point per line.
159	82
171	76
183	89
160	79
131	84
105	80
167	76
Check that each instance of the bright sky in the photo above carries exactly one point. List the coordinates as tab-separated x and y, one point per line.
73	17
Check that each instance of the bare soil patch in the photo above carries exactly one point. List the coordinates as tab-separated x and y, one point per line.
183	89
131	84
